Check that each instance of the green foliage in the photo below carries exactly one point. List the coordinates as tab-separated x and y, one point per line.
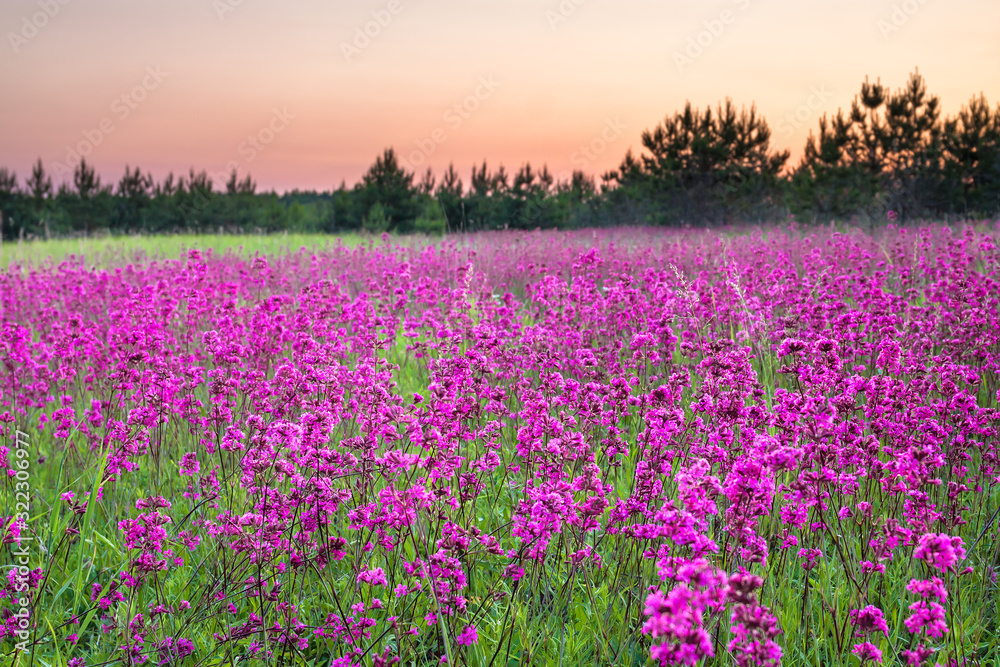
431	220
390	186
893	151
706	167
377	221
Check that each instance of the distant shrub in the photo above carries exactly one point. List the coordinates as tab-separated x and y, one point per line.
376	221
431	220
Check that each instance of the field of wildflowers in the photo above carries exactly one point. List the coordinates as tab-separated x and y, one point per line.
621	447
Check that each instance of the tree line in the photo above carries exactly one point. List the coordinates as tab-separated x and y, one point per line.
892	150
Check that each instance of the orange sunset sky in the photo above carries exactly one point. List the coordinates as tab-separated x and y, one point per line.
297	95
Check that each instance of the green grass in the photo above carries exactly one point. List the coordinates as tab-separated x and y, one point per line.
118	250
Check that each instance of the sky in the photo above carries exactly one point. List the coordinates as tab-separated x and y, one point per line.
306	93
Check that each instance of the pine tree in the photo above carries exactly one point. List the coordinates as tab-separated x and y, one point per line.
92	201
387	183
8	192
133	199
972	157
703	164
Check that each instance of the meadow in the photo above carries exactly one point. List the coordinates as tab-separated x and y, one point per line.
603	447
107	250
